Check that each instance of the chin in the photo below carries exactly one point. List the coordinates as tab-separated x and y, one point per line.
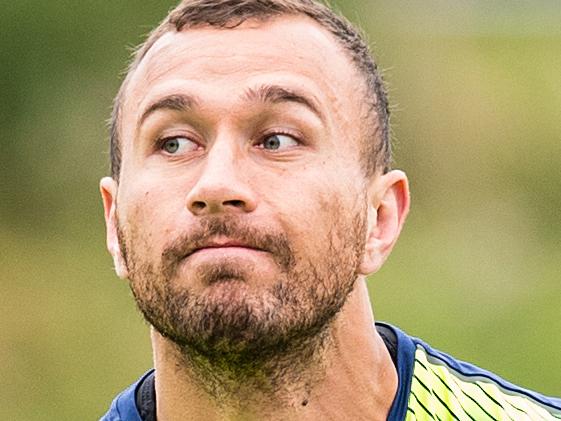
227	291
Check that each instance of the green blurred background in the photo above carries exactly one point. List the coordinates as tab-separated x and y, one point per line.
476	88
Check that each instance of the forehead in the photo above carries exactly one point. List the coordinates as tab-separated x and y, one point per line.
221	63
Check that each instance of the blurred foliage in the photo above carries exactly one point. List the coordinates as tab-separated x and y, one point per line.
476	88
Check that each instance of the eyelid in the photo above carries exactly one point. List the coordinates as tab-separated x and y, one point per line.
164	138
296	135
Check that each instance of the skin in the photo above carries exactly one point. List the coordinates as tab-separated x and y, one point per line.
224	170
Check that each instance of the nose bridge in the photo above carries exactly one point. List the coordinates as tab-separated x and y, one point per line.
221	185
220	165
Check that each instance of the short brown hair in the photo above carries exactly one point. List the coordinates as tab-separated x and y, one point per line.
229	14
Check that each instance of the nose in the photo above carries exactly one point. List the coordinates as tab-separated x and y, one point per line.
221	187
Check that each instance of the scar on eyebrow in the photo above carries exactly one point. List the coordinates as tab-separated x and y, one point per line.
277	94
174	102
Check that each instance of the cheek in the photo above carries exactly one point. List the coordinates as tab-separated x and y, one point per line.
314	208
153	214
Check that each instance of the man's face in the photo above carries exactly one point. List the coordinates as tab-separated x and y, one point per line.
242	201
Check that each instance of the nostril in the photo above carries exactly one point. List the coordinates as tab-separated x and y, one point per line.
198	205
235	203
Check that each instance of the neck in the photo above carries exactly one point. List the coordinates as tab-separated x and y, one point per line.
343	373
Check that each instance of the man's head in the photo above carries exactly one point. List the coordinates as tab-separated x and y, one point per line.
241	209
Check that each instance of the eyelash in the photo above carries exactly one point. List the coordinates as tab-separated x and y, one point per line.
297	137
159	143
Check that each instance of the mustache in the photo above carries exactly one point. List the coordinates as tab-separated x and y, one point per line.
235	229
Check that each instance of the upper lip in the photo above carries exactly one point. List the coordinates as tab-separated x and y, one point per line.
219	243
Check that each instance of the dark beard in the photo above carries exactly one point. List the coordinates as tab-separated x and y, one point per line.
243	333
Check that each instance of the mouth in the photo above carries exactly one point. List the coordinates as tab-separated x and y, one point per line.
223	244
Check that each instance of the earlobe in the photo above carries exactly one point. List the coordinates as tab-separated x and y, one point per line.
388	208
108	189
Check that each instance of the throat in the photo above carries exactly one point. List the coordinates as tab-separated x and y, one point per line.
243	378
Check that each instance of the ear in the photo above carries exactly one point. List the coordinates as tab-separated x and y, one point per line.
108	187
388	197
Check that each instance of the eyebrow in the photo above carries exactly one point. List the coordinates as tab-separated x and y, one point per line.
265	93
278	94
175	102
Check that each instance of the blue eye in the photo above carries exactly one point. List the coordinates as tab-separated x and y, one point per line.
278	141
178	145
